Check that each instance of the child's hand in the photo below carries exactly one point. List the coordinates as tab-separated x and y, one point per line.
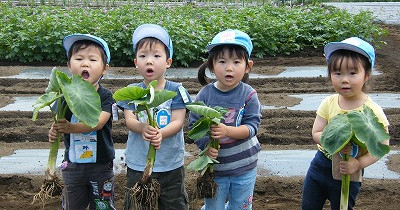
53	134
218	131
63	126
212	153
153	135
350	166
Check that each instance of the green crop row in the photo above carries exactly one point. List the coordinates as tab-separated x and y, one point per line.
34	34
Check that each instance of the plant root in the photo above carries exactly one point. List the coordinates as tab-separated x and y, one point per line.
49	189
145	196
206	186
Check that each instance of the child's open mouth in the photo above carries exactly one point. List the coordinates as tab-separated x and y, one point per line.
228	77
85	74
149	72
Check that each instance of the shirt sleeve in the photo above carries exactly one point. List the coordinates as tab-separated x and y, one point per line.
252	114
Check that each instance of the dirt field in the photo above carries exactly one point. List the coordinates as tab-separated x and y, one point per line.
280	129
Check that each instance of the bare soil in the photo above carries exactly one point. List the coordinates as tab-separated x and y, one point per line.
280	129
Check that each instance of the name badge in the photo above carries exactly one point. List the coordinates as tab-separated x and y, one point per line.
83	146
163	118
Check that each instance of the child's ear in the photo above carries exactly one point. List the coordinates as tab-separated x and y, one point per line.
135	62
169	62
105	69
248	68
69	65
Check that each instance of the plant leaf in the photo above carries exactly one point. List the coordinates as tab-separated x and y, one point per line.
336	134
53	85
200	128
369	131
200	163
130	93
204	110
44	100
160	96
82	99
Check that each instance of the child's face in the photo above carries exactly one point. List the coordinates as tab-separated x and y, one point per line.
88	63
230	70
152	62
349	78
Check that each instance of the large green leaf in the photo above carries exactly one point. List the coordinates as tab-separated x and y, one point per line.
200	128
369	131
336	134
82	99
130	93
53	85
200	163
44	100
160	96
203	110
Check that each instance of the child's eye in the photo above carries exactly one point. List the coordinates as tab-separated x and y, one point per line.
157	56
238	61
221	61
141	56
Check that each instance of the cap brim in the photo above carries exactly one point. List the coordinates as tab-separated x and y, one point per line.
68	41
334	46
211	46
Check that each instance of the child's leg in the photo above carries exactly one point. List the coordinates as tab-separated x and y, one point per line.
242	189
75	192
173	193
132	177
101	181
218	202
317	183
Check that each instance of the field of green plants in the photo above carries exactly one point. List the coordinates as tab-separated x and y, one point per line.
34	33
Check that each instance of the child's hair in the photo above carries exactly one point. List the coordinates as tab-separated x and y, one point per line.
336	60
83	44
151	41
217	52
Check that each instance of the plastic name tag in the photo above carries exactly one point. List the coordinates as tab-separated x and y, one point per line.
114	110
163	118
83	146
182	91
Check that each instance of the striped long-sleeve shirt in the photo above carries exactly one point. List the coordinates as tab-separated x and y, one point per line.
236	156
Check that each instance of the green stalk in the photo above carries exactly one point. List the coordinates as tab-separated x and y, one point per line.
151	154
50	172
214	144
344	196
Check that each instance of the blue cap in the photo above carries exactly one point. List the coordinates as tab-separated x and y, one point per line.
234	37
71	39
152	31
354	44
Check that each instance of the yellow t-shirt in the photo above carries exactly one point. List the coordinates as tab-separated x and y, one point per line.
329	108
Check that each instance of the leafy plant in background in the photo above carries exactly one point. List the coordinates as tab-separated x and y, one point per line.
144	194
361	128
206	185
25	37
84	102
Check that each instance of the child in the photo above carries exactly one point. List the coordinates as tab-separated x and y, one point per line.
152	46
235	174
349	68
88	181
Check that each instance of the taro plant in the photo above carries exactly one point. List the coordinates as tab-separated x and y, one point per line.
361	128
206	186
144	194
84	102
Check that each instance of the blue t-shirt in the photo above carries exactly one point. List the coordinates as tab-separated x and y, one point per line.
170	156
236	156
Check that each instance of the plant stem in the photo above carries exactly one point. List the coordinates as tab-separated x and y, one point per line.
151	154
344	196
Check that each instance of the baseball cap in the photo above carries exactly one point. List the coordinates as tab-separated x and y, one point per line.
354	44
153	31
234	37
69	40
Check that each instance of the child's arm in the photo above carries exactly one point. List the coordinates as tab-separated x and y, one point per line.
319	125
64	126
